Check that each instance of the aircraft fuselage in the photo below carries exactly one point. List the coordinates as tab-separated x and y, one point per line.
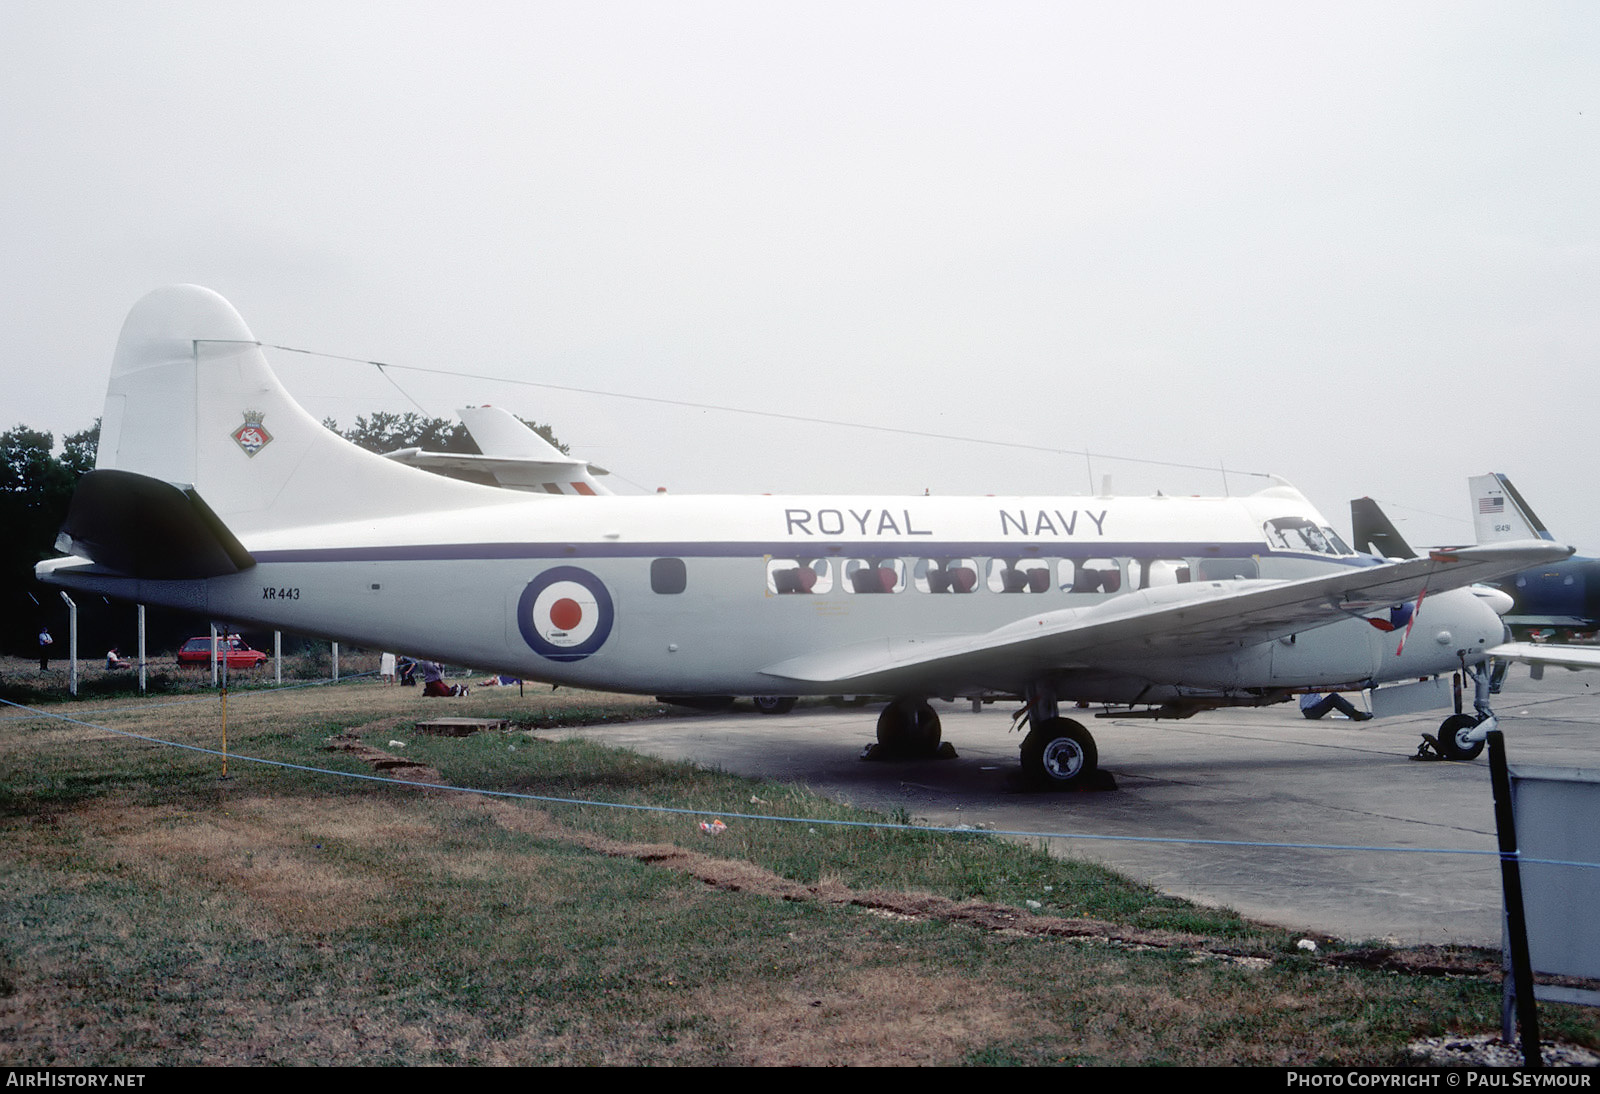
702	595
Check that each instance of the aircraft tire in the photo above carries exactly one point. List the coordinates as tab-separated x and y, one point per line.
1059	754
909	727
1453	743
774	704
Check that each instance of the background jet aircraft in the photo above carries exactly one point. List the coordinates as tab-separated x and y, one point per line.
1374	533
214	491
1561	596
512	456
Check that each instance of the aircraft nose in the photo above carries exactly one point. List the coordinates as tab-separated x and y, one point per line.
1501	602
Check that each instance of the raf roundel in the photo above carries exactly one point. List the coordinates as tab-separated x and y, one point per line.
565	614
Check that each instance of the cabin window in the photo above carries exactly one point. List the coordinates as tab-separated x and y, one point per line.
945	575
1098	575
1013	575
1226	569
787	576
1146	573
874	575
667	575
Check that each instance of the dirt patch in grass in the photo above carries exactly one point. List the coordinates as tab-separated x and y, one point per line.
870	1018
381	762
274	851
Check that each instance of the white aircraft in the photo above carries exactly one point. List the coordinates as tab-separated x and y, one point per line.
513	456
214	492
1538	655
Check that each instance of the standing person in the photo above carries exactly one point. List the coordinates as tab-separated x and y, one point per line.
386	668
45	642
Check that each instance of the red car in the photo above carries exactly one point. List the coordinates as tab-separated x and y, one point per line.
239	655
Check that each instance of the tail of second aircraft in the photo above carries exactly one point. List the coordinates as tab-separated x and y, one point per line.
192	401
1499	512
1375	533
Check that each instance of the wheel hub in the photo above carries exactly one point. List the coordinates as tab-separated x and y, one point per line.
1063	758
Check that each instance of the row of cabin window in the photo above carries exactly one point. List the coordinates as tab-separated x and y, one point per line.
1101	576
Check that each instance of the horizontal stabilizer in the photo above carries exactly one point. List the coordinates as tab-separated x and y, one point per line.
556	475
514	457
147	528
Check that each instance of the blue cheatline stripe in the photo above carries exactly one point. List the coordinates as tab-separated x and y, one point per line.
814	821
788	548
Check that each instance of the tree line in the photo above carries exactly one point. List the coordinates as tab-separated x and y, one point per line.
36	485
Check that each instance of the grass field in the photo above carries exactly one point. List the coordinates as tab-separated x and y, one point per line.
153	912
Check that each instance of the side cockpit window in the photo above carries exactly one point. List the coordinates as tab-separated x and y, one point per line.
1299	534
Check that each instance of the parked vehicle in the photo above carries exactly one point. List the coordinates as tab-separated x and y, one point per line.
239	655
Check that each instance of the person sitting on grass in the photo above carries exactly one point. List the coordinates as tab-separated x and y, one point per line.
433	681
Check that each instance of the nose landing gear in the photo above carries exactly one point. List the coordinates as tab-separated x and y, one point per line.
1461	736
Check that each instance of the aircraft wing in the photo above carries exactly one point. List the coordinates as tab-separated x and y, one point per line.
1171	621
1545	653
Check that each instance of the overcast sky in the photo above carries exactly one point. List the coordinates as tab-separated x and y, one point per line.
1353	244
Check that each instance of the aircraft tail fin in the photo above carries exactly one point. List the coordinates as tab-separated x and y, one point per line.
498	432
193	401
1375	533
1499	512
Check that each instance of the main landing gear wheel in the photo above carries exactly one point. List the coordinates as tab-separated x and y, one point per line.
908	727
1059	754
1453	742
774	704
